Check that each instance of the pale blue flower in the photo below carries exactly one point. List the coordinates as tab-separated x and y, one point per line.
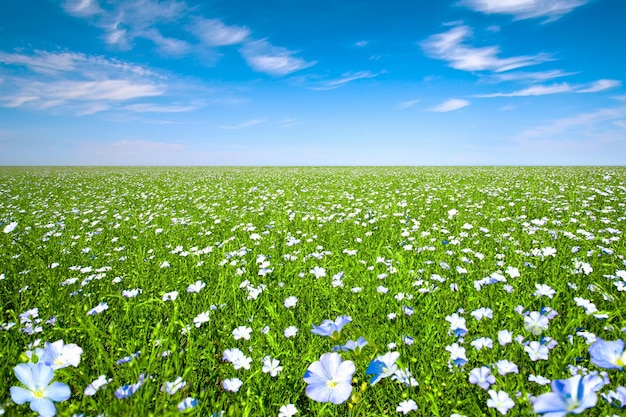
609	355
482	377
329	379
331	328
172	387
572	395
186	404
500	400
58	355
356	347
39	392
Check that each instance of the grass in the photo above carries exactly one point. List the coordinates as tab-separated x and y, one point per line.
253	236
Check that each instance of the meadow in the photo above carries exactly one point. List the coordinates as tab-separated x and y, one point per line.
343	291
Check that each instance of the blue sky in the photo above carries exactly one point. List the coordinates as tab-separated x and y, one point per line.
325	82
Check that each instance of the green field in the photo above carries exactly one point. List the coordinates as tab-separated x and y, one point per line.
398	250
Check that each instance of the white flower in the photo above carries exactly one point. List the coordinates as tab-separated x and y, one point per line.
291	301
201	318
170	296
500	400
96	385
242	332
288	410
544	290
10	227
232	384
505	337
290	331
405	407
536	351
271	366
318	272
196	286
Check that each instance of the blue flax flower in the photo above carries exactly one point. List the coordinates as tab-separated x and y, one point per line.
609	355
356	347
39	392
572	395
331	328
383	367
329	379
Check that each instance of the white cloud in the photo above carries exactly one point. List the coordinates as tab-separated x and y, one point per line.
582	120
83	84
450	105
407	104
82	8
532	75
525	9
449	46
274	60
167	46
124	21
533	90
345	78
247	123
600	85
361	44
213	32
540	90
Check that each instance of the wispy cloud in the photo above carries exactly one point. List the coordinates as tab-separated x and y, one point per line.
84	84
125	21
582	120
362	44
450	46
600	85
274	60
212	32
243	125
450	105
407	104
540	90
288	122
82	8
525	9
345	79
528	76
533	90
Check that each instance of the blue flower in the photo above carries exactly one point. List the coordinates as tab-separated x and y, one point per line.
187	403
383	366
329	379
482	377
609	355
356	347
39	392
572	395
331	328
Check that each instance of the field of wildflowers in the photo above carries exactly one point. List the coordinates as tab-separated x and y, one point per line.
312	291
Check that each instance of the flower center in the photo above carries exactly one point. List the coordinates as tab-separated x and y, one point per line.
38	393
332	383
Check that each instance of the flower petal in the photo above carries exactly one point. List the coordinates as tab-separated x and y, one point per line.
58	391
44	407
20	395
24	372
42	374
